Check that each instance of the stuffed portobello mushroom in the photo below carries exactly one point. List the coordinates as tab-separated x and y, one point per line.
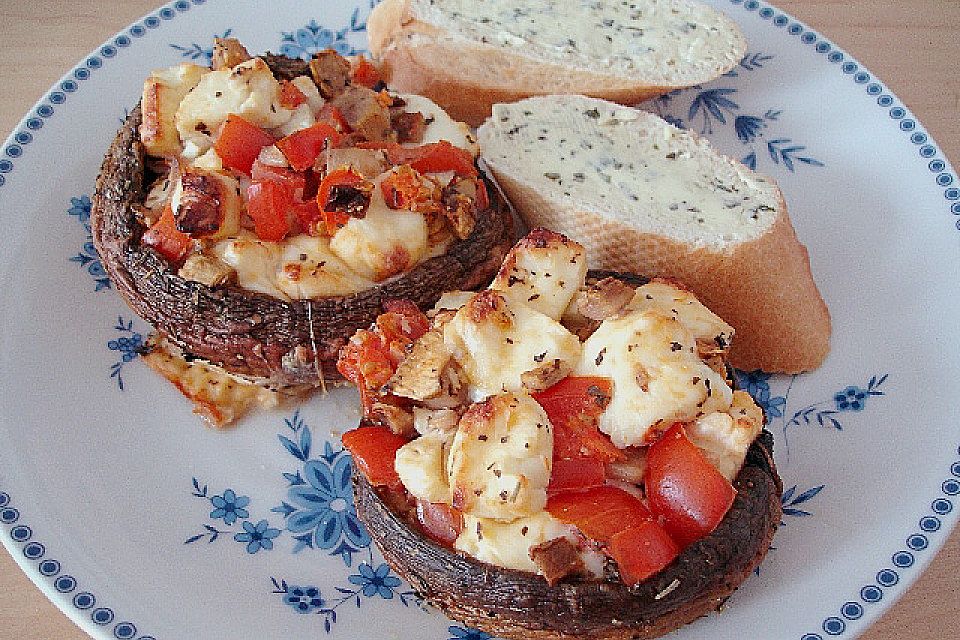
562	455
258	212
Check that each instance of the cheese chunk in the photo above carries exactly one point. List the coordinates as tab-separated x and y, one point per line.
440	126
256	262
421	466
508	544
711	332
497	342
310	269
249	90
162	92
207	203
501	458
658	378
310	91
544	270
383	243
300	118
725	437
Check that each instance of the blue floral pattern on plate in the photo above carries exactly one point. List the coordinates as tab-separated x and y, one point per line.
716	105
201	54
313	38
88	258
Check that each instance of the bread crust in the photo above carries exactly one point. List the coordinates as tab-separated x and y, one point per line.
518	605
416	57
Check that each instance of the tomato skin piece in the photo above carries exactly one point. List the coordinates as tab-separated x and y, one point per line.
435	157
599	512
576	473
441	522
166	239
573	406
333	220
269	204
290	96
374	450
301	148
365	73
642	551
240	142
293	180
684	488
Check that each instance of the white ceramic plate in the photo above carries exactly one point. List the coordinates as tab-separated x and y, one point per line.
139	523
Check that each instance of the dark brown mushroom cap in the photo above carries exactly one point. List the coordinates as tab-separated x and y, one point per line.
250	334
519	605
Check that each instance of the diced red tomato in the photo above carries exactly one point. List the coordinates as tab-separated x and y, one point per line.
573	406
441	522
685	488
374	450
170	242
435	157
641	551
301	148
599	512
412	321
269	204
334	117
365	73
308	215
240	142
290	96
293	180
338	177
365	360
405	188
571	474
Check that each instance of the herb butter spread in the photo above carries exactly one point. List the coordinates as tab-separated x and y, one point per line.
631	165
663	41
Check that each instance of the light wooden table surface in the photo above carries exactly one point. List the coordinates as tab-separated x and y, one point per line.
913	46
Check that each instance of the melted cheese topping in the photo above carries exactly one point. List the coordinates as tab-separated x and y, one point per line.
725	437
163	90
256	262
508	544
383	243
248	90
501	458
421	465
310	269
658	378
543	273
684	306
496	341
217	397
440	126
658	40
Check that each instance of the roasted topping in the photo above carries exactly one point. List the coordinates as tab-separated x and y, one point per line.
419	375
405	188
352	199
463	199
207	204
397	419
206	270
410	127
369	163
365	113
228	53
557	559
331	73
604	299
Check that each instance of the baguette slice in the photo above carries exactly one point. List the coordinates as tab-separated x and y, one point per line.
646	197
468	55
